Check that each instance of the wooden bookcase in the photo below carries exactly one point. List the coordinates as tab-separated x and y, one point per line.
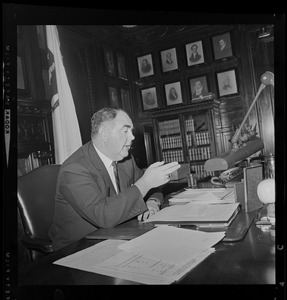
35	139
188	135
34	116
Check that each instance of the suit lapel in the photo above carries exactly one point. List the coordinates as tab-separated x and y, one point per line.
99	165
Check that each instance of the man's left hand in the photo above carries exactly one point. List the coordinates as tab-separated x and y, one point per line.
153	207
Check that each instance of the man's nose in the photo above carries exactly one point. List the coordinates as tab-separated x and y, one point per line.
131	136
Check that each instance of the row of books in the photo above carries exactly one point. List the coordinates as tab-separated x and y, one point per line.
170	142
200	171
199	153
198	139
189	125
32	161
202	138
175	155
169	127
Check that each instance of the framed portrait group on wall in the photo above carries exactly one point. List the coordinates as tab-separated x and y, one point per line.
199	86
222	49
119	97
115	64
173	96
170	63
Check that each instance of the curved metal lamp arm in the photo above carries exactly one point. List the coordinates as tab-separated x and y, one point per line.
266	79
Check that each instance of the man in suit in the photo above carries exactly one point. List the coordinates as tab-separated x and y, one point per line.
195	56
224	49
199	90
88	195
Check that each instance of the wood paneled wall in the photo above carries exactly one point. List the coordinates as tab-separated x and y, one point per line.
83	54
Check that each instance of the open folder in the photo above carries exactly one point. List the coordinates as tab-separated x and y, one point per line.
204	196
200	215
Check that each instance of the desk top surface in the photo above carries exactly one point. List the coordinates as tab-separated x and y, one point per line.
248	261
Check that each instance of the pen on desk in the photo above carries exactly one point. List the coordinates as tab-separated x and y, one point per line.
188	226
228	194
142	218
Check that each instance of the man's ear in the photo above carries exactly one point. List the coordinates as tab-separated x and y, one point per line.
103	132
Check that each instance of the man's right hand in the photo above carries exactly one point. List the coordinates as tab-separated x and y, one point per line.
158	173
155	175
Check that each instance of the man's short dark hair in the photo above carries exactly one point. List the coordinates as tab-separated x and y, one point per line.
102	115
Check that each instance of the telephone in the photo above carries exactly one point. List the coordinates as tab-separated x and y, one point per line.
226	176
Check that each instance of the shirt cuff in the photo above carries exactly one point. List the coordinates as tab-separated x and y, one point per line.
156	200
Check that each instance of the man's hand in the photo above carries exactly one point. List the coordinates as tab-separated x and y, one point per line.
153	207
155	175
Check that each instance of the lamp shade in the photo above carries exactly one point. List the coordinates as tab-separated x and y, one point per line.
228	159
266	190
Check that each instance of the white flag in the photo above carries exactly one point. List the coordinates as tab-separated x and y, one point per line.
67	137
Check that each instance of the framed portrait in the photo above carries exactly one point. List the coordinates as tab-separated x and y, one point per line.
227	83
109	62
145	66
126	104
121	66
149	98
169	60
222	47
194	53
199	88
113	97
173	93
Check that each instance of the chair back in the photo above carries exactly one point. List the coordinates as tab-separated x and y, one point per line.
36	200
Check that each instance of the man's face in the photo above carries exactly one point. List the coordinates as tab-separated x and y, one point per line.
222	43
197	85
119	137
194	49
226	81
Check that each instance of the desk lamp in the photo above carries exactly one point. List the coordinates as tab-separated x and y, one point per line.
241	148
266	194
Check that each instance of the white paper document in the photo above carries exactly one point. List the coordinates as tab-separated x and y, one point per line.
205	196
150	258
172	244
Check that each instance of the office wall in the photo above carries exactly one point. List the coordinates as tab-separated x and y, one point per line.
83	49
85	45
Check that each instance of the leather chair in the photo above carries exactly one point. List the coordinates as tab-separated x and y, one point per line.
36	204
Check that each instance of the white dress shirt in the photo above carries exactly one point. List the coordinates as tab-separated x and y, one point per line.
108	164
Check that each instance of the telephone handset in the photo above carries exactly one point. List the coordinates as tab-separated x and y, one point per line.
226	176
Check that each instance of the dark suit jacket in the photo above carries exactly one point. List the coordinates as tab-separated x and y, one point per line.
86	198
195	58
224	53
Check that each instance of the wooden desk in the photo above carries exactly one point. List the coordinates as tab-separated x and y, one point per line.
248	261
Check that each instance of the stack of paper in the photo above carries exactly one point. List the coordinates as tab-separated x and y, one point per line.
201	215
204	196
161	256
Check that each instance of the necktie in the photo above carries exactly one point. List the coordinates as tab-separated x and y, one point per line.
114	164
